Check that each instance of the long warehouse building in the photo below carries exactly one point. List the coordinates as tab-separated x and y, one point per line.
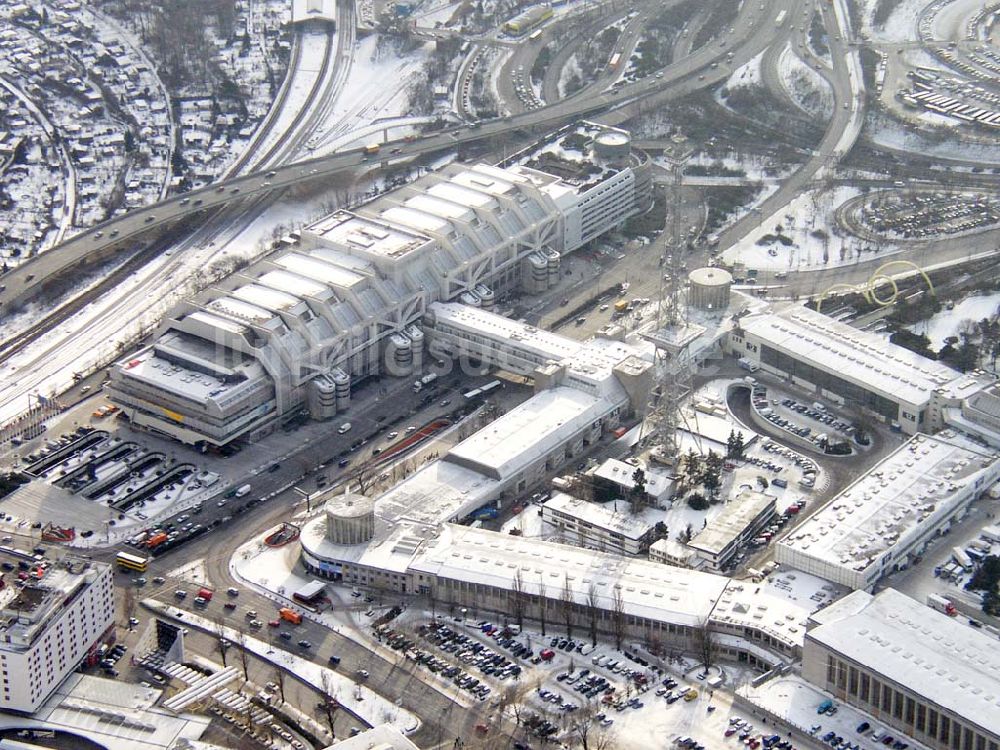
917	670
345	299
884	519
852	367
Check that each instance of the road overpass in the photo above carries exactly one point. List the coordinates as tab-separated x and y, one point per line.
752	32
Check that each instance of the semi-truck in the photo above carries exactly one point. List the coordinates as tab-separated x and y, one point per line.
938	602
992	533
418	385
961	558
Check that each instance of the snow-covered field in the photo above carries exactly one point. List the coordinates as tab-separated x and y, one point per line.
804	85
948	322
807	213
901	26
747	75
891	133
377	89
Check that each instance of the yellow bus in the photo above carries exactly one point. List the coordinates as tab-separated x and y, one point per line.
127	561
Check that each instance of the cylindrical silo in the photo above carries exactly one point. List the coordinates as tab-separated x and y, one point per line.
709	288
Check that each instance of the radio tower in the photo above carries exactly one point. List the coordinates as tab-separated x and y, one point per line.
672	337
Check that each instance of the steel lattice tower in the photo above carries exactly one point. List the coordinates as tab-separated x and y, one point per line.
672	337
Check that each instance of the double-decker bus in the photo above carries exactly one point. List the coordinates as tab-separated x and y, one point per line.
128	561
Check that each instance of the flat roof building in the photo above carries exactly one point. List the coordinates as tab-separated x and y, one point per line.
609	527
917	670
49	624
417	547
716	545
617	476
886	516
345	298
852	367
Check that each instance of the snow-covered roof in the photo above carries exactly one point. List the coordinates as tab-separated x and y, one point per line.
320	270
653	590
732	522
381	737
614	517
935	656
858	356
620	472
115	714
293	283
919	483
358	234
530	431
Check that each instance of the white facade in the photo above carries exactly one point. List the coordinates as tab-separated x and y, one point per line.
887	516
717	544
344	299
48	626
609	527
912	668
853	367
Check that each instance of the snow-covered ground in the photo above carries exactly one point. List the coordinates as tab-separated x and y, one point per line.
570	69
804	85
892	133
948	322
357	698
794	701
377	89
901	26
807	213
747	75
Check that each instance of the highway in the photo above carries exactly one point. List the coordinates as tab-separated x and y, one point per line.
28	279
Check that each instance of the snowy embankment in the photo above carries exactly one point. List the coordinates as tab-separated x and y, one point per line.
807	88
360	700
949	322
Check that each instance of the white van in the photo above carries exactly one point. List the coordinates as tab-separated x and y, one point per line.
346	427
244	490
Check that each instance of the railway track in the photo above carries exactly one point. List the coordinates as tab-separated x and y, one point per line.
277	106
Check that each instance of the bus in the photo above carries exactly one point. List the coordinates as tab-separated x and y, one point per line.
491	386
469	395
535	35
128	561
781	18
615	59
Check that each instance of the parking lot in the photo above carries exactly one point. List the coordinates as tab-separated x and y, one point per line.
555	681
917	215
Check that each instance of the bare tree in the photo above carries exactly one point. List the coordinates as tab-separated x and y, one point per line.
221	642
243	652
129	604
618	616
517	598
592	610
366	477
704	638
279	680
543	602
566	605
583	731
330	704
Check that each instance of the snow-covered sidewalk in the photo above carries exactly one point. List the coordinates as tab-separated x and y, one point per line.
358	699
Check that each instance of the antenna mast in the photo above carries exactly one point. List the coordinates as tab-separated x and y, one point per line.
672	337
